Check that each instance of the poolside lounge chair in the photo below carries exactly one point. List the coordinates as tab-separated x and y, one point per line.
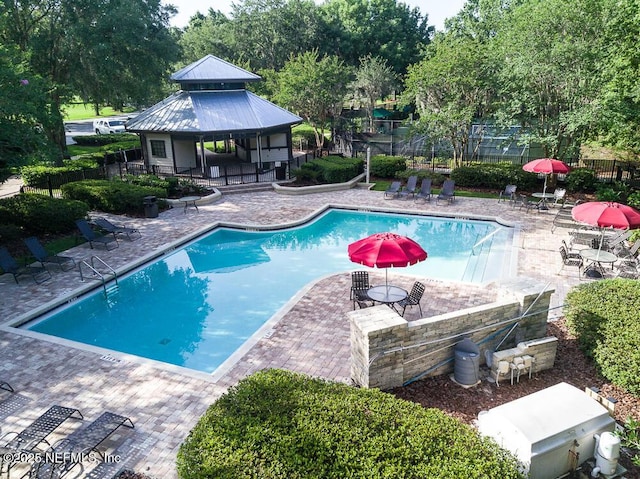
425	190
394	189
65	263
6	386
9	265
629	255
509	194
413	299
410	188
448	192
558	196
91	236
359	287
80	441
37	432
109	227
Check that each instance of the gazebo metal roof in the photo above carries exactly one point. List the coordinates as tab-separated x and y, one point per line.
215	70
212	112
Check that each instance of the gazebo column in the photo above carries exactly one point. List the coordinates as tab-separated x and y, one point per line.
203	158
259	149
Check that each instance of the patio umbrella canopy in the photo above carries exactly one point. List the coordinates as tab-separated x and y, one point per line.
548	166
605	214
386	250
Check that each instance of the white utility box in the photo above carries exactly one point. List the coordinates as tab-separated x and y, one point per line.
551	432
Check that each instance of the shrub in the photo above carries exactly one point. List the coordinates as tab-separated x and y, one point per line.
581	180
494	175
39	214
114	196
38	176
101	140
603	316
279	424
436	178
634	199
330	169
383	166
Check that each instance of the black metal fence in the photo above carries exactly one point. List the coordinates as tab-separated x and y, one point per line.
50	184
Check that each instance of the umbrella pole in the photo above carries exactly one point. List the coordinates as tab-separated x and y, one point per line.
544	189
386	281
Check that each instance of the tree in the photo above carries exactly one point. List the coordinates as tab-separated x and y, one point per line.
23	114
84	47
267	32
451	87
620	95
385	28
374	81
313	88
549	72
210	34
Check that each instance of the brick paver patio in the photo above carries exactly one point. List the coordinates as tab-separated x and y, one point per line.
311	335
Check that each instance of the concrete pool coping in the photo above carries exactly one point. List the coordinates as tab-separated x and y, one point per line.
309	338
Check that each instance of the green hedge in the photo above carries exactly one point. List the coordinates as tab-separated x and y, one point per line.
582	180
383	166
279	424
604	317
101	140
39	214
330	169
495	175
113	196
436	178
37	176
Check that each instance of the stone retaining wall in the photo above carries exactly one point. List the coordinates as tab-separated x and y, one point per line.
387	351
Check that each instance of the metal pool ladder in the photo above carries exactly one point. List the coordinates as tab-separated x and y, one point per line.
94	271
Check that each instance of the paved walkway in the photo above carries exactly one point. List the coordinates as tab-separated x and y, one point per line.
311	336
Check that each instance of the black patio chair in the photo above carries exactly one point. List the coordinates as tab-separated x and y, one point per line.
413	299
65	263
508	194
571	261
410	188
92	237
359	287
425	190
394	189
9	265
447	192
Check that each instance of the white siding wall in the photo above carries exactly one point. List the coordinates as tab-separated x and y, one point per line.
154	160
185	154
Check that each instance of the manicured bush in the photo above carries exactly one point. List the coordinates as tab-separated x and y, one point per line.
604	317
101	140
39	214
39	175
383	166
114	196
279	424
494	175
330	169
581	180
634	199
436	178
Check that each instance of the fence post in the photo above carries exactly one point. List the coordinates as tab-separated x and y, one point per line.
257	173
226	176
49	185
613	171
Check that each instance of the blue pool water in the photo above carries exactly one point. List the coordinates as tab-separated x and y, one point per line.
196	305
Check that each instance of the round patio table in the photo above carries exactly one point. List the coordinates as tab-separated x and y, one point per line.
597	257
189	201
387	294
543	199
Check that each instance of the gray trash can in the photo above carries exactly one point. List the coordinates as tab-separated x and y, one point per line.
150	206
466	369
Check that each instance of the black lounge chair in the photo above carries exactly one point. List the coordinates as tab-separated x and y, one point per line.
91	236
81	441
410	188
109	227
37	432
448	192
414	298
359	287
393	190
65	263
9	265
508	194
425	190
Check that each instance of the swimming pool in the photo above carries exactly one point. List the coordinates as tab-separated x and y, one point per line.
195	306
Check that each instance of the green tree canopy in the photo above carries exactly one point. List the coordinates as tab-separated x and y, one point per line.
313	88
374	80
385	28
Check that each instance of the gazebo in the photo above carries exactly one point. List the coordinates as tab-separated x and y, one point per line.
213	105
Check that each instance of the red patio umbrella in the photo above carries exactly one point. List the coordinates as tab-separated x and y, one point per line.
605	214
386	250
548	166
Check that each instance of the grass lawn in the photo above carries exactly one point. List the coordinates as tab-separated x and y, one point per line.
382	185
85	111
